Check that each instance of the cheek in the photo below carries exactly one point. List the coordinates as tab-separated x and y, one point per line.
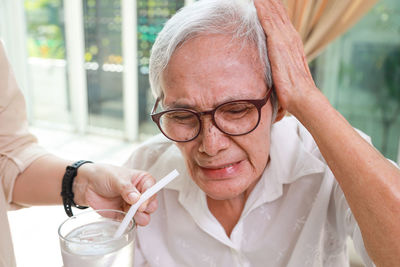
187	150
259	154
262	155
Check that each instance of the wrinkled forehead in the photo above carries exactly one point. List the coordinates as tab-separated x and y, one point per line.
213	62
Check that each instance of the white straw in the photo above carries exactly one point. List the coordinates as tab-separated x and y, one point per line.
145	196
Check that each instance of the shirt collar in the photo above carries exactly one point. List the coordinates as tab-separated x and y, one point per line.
293	154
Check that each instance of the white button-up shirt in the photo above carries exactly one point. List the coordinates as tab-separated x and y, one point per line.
296	215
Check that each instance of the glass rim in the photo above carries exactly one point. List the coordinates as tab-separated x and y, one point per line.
63	238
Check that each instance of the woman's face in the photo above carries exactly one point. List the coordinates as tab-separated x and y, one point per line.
203	73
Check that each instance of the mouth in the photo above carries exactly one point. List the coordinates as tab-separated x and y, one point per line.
221	171
219	166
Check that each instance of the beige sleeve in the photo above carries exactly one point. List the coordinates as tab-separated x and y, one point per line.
18	148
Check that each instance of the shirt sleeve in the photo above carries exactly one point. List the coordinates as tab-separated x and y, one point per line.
18	147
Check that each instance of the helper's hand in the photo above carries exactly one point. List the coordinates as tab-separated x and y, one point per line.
290	73
103	186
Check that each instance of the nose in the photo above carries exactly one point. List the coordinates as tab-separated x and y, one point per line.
212	139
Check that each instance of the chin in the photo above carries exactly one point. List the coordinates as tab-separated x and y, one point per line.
221	197
222	191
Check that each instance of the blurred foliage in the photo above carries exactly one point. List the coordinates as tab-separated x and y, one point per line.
103	50
103	25
387	16
390	106
45	28
103	28
391	67
152	15
374	67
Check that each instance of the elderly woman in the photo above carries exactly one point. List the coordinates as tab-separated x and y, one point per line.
257	188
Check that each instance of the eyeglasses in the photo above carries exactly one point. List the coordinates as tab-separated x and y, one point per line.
238	117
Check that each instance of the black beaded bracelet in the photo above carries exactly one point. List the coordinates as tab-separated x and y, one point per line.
66	190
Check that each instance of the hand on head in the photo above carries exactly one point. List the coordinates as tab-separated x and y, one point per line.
290	73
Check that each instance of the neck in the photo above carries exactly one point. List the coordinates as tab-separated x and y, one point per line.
227	212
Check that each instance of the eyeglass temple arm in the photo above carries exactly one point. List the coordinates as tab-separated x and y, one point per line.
155	106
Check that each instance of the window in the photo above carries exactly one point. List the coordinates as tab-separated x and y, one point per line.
151	17
104	63
90	49
360	74
46	62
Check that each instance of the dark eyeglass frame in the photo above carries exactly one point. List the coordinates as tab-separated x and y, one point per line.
258	103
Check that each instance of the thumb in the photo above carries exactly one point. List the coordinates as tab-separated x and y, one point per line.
131	195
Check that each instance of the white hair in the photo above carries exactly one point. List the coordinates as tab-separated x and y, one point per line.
237	18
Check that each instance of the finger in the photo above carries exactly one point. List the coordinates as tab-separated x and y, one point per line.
273	17
144	182
130	194
149	206
280	10
152	206
142	219
143	207
271	12
139	182
265	16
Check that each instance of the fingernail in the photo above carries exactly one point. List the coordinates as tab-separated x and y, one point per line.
148	184
133	197
143	207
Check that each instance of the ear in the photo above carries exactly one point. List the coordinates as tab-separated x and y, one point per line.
280	114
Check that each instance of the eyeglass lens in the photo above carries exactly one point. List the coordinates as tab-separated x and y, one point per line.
235	118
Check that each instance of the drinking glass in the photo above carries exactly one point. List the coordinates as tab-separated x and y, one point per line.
86	239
